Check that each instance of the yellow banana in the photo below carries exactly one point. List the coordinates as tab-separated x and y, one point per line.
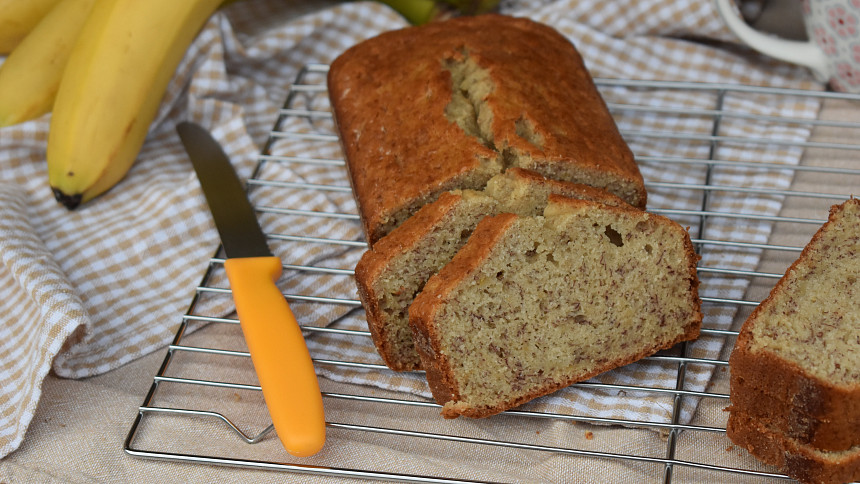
111	89
17	19
30	76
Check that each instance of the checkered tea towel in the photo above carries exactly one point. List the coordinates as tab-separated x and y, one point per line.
86	291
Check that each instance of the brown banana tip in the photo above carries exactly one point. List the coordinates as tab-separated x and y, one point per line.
69	201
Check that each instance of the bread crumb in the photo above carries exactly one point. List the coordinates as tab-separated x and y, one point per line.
589	435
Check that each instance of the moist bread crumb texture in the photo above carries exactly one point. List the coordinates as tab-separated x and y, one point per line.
390	274
817	307
533	304
448	105
795	369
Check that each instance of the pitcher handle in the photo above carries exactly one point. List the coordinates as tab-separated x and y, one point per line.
804	53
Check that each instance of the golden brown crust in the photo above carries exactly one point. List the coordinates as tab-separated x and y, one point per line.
785	381
389	95
800	462
785	417
568	113
784	411
384	92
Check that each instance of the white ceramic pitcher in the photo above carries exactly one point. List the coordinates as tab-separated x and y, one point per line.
833	49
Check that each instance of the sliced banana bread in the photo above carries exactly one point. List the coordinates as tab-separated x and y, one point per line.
394	270
533	304
801	345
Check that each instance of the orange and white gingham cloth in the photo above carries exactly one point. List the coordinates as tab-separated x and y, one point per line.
85	291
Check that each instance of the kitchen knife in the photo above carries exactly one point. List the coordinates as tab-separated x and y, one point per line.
278	351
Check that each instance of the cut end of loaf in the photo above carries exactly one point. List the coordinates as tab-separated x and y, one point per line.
554	300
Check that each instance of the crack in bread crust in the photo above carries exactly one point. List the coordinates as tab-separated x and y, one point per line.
394	97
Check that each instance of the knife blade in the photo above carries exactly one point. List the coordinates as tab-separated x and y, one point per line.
278	350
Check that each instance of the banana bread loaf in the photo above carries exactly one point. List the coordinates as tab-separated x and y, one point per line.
394	270
530	305
801	347
448	105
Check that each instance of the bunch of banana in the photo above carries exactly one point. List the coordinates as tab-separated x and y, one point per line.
102	67
111	89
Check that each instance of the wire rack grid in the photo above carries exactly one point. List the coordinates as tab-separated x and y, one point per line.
204	404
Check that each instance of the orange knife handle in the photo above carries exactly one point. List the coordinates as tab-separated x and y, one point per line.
278	351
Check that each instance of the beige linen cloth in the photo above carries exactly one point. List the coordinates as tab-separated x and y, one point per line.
88	291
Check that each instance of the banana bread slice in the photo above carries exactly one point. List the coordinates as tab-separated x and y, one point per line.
533	304
801	345
394	270
450	104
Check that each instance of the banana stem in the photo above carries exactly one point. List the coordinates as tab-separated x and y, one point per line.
417	12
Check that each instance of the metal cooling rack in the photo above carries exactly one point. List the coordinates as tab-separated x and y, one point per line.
204	405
